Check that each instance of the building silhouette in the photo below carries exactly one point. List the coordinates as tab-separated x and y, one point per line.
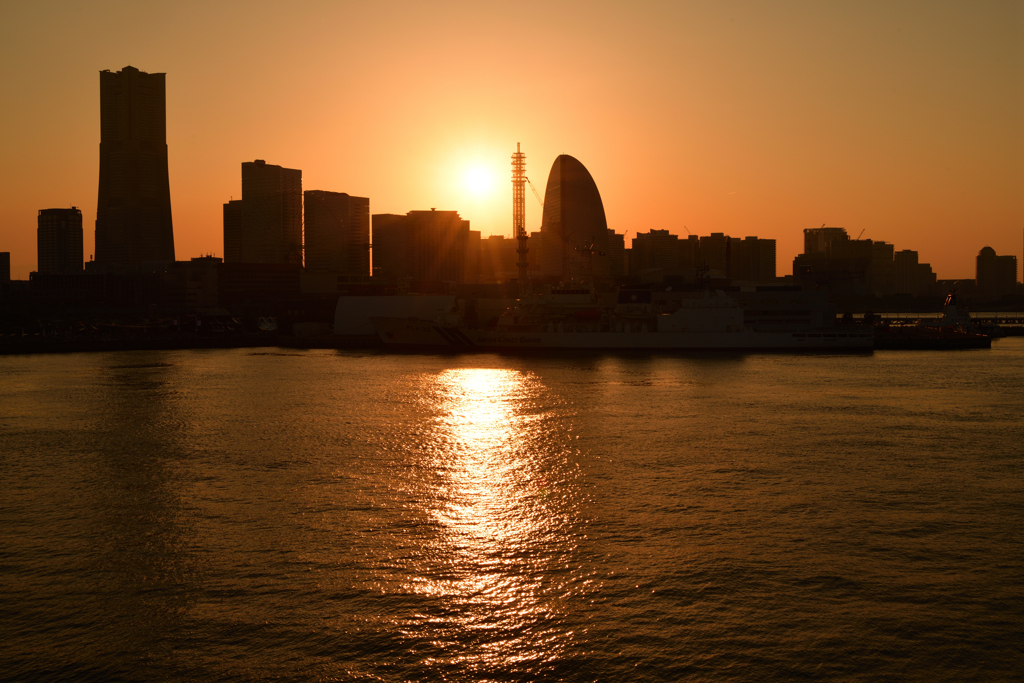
714	253
912	277
133	212
498	259
574	231
616	251
689	252
426	248
855	267
817	240
59	241
655	250
337	232
996	276
5	267
751	259
234	231
265	225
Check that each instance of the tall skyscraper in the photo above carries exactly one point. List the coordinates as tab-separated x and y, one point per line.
337	232
133	214
59	241
5	267
265	225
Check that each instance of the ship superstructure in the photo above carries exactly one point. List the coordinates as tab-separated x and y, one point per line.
639	319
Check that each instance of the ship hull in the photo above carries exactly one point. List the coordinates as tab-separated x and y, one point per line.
408	333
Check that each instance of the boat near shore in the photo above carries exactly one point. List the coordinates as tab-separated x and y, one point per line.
928	338
954	330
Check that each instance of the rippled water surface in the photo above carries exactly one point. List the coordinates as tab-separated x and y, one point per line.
321	515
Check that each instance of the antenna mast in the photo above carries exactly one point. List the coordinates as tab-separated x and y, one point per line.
519	214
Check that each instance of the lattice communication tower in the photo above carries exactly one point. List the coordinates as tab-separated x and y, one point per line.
519	213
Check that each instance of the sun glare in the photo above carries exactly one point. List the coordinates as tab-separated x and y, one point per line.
479	181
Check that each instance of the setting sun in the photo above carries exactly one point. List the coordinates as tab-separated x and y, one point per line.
479	181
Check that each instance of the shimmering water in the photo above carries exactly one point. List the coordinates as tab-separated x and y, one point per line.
320	515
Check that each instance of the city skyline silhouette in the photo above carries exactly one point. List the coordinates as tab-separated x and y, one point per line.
897	122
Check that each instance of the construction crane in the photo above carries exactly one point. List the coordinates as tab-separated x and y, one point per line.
861	233
519	215
535	193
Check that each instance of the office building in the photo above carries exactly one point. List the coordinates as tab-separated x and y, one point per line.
689	252
265	225
996	276
714	254
617	263
133	212
5	267
59	241
751	259
817	240
423	247
234	227
498	259
910	276
655	250
881	272
337	232
574	230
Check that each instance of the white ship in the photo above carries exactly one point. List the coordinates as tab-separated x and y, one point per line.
576	319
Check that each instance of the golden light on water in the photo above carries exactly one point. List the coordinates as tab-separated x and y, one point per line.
487	493
493	512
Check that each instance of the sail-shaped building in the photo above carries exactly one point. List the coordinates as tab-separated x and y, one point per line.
574	232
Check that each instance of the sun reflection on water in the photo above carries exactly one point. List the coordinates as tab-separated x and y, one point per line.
503	510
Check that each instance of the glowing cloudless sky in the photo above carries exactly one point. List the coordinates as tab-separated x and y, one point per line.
904	120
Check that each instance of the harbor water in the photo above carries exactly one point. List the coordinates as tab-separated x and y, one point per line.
268	514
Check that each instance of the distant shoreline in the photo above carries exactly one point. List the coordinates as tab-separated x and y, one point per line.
37	344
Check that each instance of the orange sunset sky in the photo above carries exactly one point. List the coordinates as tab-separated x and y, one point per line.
904	120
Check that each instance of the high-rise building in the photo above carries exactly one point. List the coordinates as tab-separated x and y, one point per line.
689	252
881	275
817	240
234	231
423	247
910	276
59	241
5	267
751	259
714	253
133	213
574	228
996	275
265	225
655	250
498	259
616	254
337	232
